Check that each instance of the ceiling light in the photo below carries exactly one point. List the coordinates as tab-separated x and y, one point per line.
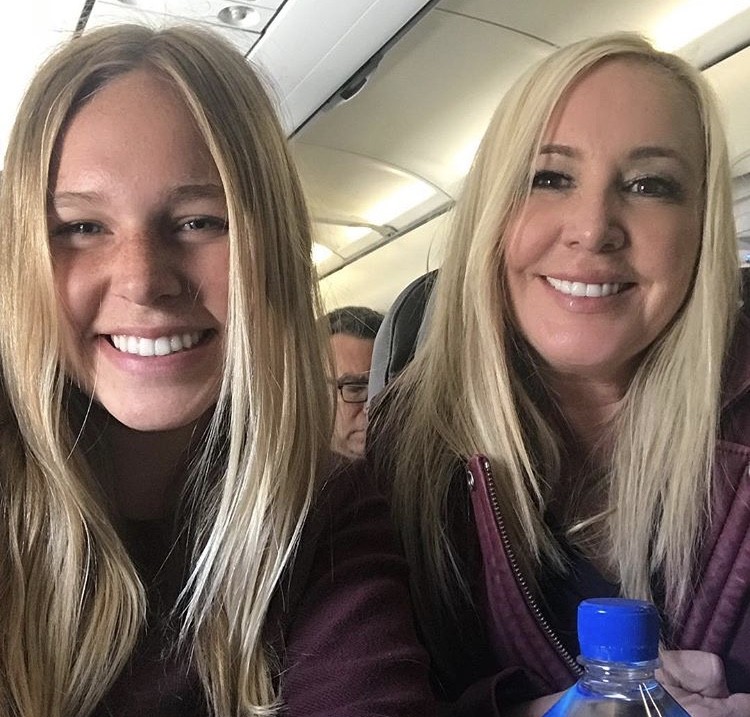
355	233
320	253
133	3
239	16
388	209
692	19
464	158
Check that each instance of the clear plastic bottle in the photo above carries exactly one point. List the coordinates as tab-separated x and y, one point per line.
619	641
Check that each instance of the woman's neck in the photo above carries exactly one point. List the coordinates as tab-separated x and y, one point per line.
588	407
142	473
148	469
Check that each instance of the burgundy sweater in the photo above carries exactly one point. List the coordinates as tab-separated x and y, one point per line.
341	624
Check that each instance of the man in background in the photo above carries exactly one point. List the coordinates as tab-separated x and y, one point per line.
353	330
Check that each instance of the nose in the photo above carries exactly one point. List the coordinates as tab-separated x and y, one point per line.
144	269
593	222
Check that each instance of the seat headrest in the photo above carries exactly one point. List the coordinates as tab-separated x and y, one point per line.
399	334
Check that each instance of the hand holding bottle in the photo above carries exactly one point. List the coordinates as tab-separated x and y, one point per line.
696	680
619	642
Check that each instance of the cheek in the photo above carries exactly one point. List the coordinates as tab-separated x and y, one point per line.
349	410
210	275
528	239
674	266
76	286
518	260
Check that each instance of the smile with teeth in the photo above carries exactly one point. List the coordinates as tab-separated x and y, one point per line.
578	288
162	346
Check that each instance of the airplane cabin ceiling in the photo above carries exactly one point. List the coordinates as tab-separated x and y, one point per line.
425	107
383	167
730	79
306	48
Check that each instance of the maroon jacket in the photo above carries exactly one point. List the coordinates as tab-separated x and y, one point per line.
341	624
501	650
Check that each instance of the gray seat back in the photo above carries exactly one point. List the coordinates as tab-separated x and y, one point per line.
399	334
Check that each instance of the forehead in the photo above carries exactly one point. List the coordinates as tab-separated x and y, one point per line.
351	354
629	101
137	118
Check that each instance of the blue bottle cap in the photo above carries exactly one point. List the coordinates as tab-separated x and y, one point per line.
618	630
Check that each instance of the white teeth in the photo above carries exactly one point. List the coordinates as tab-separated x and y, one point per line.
163	346
578	288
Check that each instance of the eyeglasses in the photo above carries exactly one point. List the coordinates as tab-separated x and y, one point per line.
352	392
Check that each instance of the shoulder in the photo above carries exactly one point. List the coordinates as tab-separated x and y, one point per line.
347	642
346	503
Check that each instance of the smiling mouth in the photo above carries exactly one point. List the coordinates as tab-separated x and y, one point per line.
590	291
161	346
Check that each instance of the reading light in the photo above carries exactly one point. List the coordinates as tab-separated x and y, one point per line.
239	16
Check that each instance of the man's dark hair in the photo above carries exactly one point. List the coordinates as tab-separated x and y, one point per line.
357	321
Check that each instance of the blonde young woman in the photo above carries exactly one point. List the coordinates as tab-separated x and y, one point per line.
171	544
585	341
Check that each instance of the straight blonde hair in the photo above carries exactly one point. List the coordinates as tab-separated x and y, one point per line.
73	603
474	386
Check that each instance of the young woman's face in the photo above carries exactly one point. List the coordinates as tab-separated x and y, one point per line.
601	257
138	235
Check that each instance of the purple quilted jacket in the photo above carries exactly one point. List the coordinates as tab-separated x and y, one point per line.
507	652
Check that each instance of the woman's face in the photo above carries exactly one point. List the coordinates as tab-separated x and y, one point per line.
138	235
602	254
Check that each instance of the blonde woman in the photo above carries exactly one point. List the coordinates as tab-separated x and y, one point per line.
576	422
171	544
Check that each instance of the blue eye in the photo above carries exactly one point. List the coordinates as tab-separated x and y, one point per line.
548	179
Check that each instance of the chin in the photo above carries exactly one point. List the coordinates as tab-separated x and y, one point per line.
156	419
356	448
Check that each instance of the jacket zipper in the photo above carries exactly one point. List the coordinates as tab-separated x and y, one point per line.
531	602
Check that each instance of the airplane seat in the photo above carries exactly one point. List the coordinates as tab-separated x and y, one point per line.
745	274
399	334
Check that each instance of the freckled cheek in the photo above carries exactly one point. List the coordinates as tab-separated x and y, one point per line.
78	296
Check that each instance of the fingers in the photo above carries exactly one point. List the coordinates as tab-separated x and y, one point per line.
693	671
739	705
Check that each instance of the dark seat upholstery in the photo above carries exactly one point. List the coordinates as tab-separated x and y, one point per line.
398	335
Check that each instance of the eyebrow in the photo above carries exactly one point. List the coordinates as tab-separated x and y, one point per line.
650	152
183	193
562	149
647	152
354	377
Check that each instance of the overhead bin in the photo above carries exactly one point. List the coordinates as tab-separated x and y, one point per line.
313	48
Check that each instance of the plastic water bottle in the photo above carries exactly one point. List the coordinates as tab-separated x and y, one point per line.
619	642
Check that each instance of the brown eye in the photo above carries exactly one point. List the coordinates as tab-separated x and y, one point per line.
77	228
547	179
199	224
654	186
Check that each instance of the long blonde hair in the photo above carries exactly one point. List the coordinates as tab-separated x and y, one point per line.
473	386
73	604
